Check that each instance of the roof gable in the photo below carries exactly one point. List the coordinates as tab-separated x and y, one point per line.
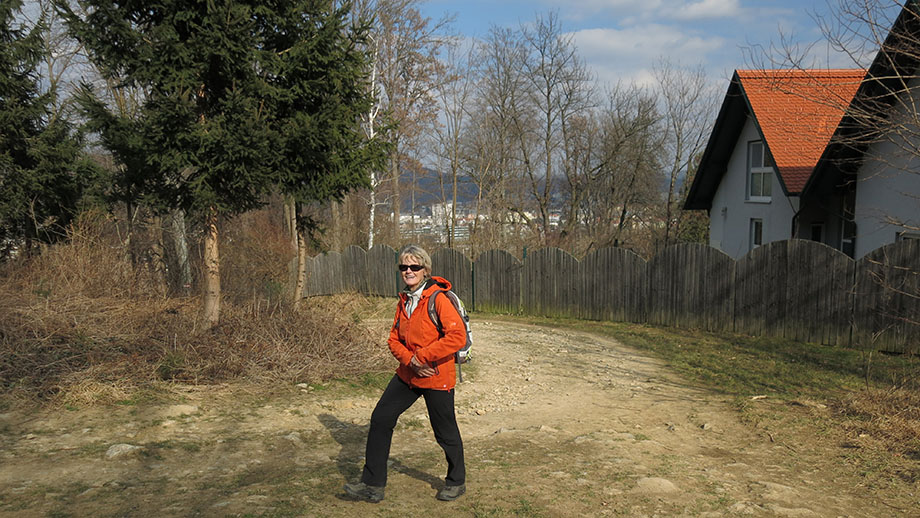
797	112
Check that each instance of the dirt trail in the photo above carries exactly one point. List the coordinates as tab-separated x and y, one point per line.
555	423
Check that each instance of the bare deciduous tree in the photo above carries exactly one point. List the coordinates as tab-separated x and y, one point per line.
559	91
688	105
623	187
491	143
456	88
406	49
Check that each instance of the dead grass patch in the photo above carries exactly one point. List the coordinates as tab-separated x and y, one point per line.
80	325
891	417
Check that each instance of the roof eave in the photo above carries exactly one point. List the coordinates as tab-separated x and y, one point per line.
888	67
714	161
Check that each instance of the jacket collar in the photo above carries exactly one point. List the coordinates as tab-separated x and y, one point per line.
431	285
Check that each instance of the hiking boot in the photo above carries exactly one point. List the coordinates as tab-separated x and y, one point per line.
451	492
363	491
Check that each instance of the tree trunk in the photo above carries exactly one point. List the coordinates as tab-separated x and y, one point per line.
397	200
370	221
301	283
128	241
211	313
180	242
290	221
158	255
290	224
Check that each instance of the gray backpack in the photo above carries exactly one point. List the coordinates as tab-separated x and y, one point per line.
463	355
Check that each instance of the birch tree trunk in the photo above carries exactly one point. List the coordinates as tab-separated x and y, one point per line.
300	284
211	312
290	224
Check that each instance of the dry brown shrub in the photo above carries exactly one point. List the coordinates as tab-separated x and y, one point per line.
79	325
891	416
91	263
255	258
281	345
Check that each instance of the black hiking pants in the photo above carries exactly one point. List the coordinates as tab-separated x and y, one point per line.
396	399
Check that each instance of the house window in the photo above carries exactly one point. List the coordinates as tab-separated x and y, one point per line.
904	236
756	233
760	172
817	232
848	239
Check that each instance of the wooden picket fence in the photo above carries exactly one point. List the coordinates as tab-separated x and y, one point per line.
795	289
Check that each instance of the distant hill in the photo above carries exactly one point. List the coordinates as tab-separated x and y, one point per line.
428	190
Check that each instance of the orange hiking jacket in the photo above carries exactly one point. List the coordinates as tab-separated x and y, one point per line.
417	335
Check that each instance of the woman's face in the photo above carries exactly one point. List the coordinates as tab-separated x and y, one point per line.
410	277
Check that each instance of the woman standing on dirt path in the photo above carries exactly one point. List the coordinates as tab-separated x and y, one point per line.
426	369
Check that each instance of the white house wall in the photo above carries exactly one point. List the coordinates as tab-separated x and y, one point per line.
887	199
888	190
731	213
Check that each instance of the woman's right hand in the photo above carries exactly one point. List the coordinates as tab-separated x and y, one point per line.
422	370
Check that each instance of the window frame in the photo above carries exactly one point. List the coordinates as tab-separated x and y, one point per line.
759	174
753	232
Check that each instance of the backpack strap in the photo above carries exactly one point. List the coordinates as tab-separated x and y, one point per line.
433	312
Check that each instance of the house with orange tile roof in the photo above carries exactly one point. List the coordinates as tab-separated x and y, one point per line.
874	153
771	131
827	155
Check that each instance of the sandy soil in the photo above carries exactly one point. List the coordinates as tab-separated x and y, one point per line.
555	423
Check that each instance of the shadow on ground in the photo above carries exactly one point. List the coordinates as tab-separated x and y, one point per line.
350	460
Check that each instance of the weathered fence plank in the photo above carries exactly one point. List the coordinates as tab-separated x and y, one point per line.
326	275
457	268
497	282
818	281
310	284
614	286
751	283
550	283
382	275
354	271
886	313
690	287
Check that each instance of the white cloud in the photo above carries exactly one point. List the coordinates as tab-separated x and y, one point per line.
708	9
643	42
632	11
628	54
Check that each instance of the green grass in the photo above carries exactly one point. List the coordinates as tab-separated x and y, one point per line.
743	365
365	384
523	508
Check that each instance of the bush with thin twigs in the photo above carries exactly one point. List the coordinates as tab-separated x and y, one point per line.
890	416
79	324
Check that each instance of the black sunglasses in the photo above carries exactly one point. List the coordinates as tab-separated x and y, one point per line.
413	267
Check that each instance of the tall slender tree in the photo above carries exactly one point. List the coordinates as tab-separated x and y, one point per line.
320	92
405	46
688	102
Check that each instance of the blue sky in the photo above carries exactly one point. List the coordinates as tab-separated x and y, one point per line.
622	39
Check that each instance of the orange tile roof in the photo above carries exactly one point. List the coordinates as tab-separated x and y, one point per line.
798	111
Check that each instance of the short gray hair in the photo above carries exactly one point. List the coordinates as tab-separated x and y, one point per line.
419	254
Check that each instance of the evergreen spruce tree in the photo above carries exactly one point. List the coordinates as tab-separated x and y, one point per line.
43	170
320	90
235	106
